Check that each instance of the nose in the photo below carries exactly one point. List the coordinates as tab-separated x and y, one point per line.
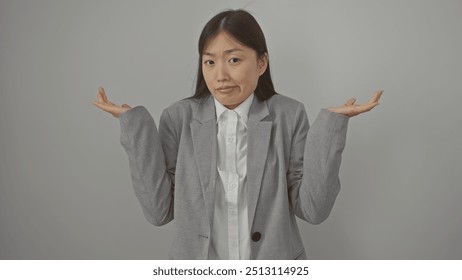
222	73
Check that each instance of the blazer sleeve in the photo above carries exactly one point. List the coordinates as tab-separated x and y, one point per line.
153	177
314	164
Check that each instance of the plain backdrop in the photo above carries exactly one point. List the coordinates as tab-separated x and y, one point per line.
65	186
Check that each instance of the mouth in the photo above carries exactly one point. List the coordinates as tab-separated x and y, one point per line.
225	89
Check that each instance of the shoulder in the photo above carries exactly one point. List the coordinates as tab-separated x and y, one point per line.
288	113
181	110
281	104
187	104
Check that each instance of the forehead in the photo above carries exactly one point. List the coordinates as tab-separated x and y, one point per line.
221	42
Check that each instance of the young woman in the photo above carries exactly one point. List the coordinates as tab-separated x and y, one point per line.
235	163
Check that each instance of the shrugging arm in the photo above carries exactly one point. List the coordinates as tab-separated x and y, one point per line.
152	169
314	165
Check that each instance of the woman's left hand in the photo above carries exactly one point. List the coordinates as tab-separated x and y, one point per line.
351	109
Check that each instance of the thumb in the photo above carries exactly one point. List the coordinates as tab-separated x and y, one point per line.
125	106
350	101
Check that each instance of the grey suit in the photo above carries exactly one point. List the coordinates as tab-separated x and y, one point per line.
292	171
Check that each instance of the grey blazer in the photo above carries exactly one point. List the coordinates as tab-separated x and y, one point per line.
292	171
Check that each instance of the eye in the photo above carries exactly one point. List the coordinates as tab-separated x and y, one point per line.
209	62
234	60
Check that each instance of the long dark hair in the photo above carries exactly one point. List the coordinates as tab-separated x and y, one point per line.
244	28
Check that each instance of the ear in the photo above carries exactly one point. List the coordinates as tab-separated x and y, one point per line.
262	64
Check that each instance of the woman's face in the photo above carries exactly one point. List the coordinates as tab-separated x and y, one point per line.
231	70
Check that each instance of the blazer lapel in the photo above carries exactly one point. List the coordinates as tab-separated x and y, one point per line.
204	136
258	139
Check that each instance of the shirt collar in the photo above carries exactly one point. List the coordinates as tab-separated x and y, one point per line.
242	109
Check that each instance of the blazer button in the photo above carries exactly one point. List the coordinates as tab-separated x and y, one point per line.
256	236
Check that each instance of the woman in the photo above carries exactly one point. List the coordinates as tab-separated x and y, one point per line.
235	163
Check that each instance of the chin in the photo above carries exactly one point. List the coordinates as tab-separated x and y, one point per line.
225	101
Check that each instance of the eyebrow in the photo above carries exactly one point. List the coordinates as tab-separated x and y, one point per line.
226	52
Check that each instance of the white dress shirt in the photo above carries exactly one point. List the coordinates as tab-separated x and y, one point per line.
230	238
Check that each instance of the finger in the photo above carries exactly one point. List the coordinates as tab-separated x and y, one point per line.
106	100
97	104
366	107
102	92
100	105
126	106
373	98
113	110
376	97
100	95
350	102
104	106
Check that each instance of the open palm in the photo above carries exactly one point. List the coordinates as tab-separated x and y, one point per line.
351	109
104	104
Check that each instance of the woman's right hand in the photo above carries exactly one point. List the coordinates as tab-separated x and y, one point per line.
104	104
